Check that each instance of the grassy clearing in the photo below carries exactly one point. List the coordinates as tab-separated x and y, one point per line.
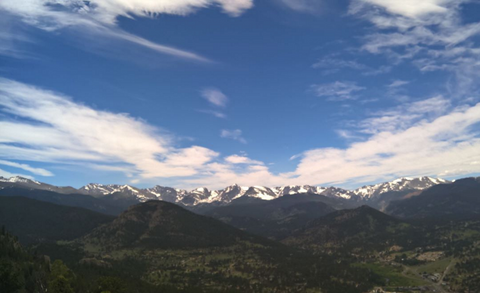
438	266
394	275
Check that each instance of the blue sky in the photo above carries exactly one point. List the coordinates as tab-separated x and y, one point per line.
214	92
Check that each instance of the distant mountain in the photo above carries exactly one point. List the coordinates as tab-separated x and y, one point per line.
401	184
276	218
362	228
101	205
372	194
459	199
25	183
33	221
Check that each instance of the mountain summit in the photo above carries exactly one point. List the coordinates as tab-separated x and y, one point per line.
227	195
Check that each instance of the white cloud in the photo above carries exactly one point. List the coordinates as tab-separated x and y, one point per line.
430	142
405	115
37	171
398	83
412	8
445	145
337	91
431	34
215	97
56	129
236	159
344	134
99	17
233	134
220	175
426	137
47	13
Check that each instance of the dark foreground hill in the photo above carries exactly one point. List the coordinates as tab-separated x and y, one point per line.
460	199
105	206
35	221
166	245
158	224
20	271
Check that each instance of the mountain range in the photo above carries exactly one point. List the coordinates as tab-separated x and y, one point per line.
334	241
371	194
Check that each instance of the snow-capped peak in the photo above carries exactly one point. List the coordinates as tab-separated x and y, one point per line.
230	193
18	179
400	184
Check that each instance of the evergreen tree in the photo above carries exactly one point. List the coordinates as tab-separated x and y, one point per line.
9	278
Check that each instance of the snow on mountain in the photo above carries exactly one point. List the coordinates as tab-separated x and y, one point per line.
336	192
165	193
101	190
224	196
26	183
400	184
295	189
18	179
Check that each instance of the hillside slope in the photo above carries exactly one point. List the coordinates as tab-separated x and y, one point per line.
363	229
72	200
460	199
33	221
276	218
164	244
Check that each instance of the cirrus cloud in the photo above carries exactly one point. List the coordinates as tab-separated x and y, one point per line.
215	97
337	91
26	167
430	34
99	18
235	134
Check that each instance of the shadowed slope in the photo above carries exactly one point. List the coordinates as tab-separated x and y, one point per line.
33	220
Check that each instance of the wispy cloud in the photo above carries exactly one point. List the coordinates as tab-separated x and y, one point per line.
215	97
337	91
305	6
100	17
233	134
430	34
26	167
12	39
52	128
213	113
330	65
335	64
404	116
398	83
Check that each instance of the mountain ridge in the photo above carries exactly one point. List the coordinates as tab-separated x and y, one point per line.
203	195
460	199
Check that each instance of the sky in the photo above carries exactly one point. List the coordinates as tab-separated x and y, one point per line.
191	93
